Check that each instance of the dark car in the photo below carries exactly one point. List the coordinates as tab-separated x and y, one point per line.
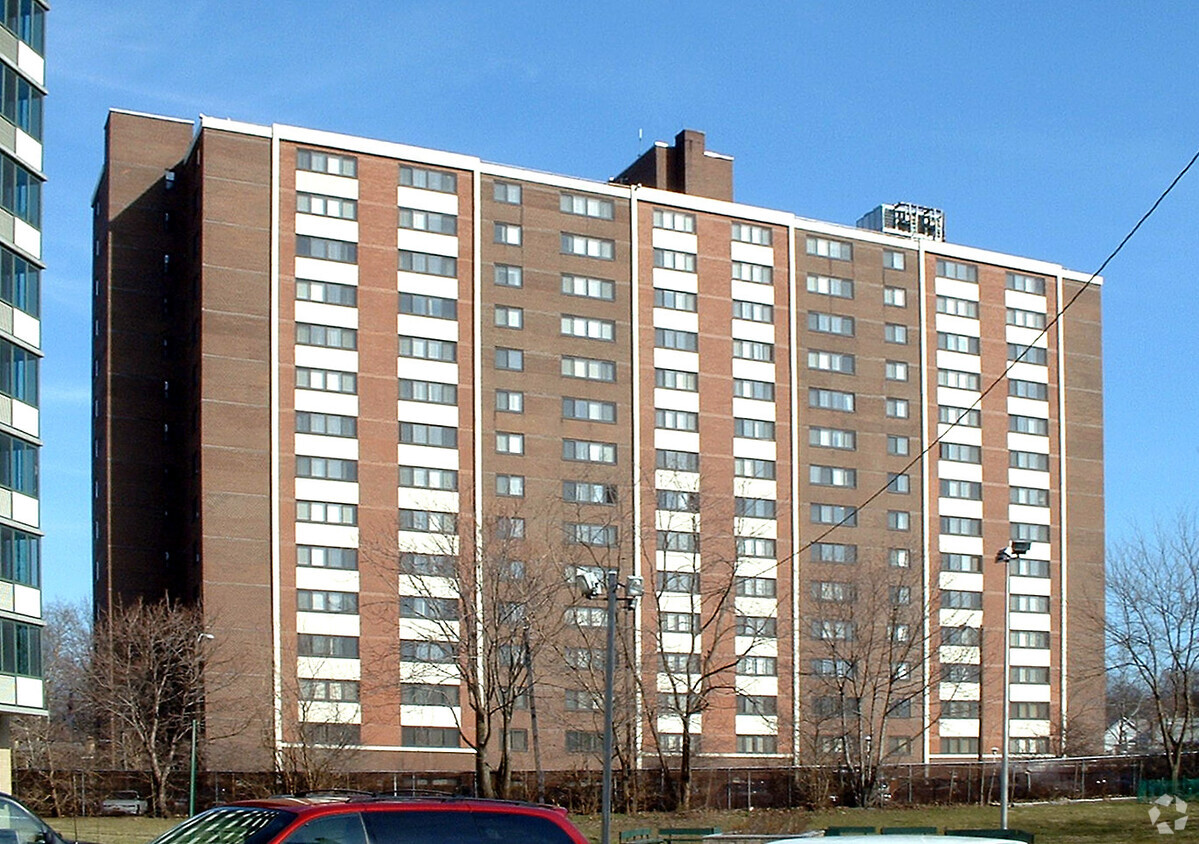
18	825
369	819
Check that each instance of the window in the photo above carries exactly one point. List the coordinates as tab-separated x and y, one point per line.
746	233
509	443
337	647
961	453
834	552
326	513
961	416
955	270
755	508
416	304
507	316
899	483
326	249
674	300
671	338
832	438
511	527
959	709
1030	674
510	359
674	220
679	622
428	349
831	362
673	379
962	745
1025	319
752	311
830	323
834	591
961	343
21	191
507	193
833	668
759	627
1028	389
334	690
326	424
1029	603
965	636
323	162
831	399
960	526
588	247
752	546
757	744
835	249
1030	532
833	630
430	737
832	476
1029	639
590	410
676	420
326	206
583	492
752	350
326	293
588	368
895	297
422	694
20	283
428	221
583	700
586	616
509	401
420	606
327	380
899	520
893	260
428	264
1028	567
952	599
677	461
745	388
900	558
748	467
955	379
435	565
1026	283
686	582
586	206
1029	496
840	288
437	180
427	651
313	600
317	556
678	501
961	562
682	541
753	273
834	514
960	673
326	468
957	307
507	233
1037	355
895	370
580	741
586	451
428	521
507	275
420	477
971	490
757	666
753	429
897	408
1028	460
669	259
328	336
589	288
898	446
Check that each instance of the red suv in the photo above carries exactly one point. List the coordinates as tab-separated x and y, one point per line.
332	818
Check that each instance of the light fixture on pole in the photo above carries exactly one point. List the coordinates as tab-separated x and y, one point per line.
1014	551
191	788
595	585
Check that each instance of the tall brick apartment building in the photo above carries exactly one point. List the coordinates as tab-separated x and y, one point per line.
338	378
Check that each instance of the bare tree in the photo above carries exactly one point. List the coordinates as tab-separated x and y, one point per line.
146	684
1153	628
865	688
321	744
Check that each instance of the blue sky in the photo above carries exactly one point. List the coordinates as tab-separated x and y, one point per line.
1042	129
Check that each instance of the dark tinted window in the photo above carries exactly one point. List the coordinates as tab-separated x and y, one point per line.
331	829
453	827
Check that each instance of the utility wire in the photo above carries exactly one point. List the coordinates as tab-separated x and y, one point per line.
1019	358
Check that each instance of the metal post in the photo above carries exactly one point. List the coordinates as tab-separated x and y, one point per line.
1006	716
191	790
609	694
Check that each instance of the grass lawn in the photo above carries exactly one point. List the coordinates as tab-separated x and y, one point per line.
1100	822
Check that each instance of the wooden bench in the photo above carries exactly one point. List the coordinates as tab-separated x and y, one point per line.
639	836
686	835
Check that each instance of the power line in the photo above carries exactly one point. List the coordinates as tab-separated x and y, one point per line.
1019	358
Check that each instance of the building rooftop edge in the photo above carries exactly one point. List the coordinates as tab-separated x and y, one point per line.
729	208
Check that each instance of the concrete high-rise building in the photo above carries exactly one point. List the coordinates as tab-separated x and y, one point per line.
22	47
350	391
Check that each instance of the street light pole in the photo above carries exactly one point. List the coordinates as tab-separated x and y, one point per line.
1005	556
609	695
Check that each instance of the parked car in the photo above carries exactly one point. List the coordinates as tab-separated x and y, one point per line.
320	818
124	803
18	825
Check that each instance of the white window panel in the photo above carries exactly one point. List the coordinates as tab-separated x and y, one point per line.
27	237
1028	477
320	226
956	289
1031	372
747	291
957	727
314	445
320	401
440	500
419	542
675	359
435	244
748	645
26	418
1028	442
1031	586
682	522
1028	692
756	725
959	471
758	528
681	320
676	399
674	723
960	507
768	686
671	602
328	624
329	712
27	601
963	581
429	414
676	440
753	370
423	326
676	280
755	449
684	481
960	618
430	716
422	672
956	398
1028	728
328	668
958	325
429	630
426	370
337	536
681	643
337	580
751	253
675	241
961	434
322	314
760	332
959	361
1025	301
30	692
961	654
426	587
427	200
754	409
337	272
755	488
1031	656
1017	406
1024	336
1032	620
1029	515
316	489
28	149
426	455
326	184
960	544
26	327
